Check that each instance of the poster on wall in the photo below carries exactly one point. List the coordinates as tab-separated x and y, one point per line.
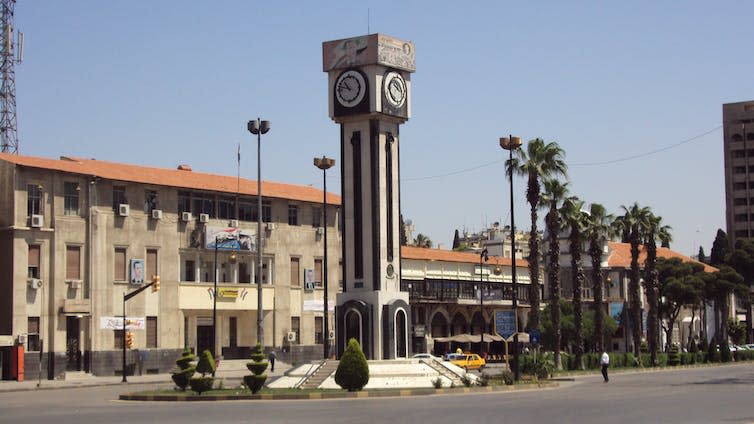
137	271
116	323
229	238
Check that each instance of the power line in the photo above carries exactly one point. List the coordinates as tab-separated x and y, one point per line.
607	162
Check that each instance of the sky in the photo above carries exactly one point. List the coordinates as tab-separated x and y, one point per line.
632	91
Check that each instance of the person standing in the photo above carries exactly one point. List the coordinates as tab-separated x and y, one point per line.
605	362
271	357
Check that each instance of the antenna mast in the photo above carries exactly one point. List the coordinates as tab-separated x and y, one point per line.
8	126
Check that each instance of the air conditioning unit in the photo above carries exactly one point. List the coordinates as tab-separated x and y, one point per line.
203	218
234	223
291	337
320	230
37	221
35	283
74	284
270	226
156	214
123	209
186	216
331	334
22	339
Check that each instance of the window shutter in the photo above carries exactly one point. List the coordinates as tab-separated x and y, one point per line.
73	263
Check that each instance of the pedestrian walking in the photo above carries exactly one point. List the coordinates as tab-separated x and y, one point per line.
605	362
271	357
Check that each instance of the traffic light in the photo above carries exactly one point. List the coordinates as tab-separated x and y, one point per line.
155	283
129	340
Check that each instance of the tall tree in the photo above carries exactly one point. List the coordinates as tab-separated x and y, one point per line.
599	229
422	241
540	161
700	256
575	220
720	249
679	284
456	240
632	225
742	259
655	230
553	195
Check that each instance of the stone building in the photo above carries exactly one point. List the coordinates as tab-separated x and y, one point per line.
77	234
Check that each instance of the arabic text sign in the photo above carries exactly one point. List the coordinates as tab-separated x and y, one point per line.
505	323
116	323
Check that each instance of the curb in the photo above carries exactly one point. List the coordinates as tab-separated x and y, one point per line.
336	394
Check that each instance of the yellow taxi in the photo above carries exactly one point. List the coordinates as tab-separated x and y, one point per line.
468	361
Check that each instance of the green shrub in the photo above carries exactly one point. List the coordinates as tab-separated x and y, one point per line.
182	376
437	382
674	358
700	357
202	384
353	370
725	354
483	380
255	382
466	380
205	366
662	359
507	377
713	354
645	360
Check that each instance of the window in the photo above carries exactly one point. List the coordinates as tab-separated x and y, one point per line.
246	210
151	264
118	339
266	211
739	186
226	208
34	200
189	271
739	169
318	272
203	203
152	332
32	338
739	201
316	217
292	215
296	327
244	273
73	262
318	330
71	198
120	264
295	273
33	262
742	233
751	168
150	201
119	197
739	153
184	202
739	217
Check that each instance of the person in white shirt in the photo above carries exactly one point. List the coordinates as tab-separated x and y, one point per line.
605	362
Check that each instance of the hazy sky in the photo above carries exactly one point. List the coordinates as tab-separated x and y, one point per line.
161	83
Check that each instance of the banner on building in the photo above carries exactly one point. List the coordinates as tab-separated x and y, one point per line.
616	311
228	238
116	323
318	305
137	271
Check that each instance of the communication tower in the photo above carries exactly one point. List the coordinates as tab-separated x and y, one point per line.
12	53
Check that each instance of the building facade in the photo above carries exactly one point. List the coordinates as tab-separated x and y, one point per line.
738	151
76	235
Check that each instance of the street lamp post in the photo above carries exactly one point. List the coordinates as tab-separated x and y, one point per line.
324	163
259	127
510	144
214	305
482	256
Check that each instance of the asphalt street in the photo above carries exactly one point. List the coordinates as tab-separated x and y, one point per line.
723	394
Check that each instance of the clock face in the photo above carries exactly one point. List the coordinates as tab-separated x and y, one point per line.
350	88
394	87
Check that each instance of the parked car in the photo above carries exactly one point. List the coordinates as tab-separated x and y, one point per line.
425	356
468	361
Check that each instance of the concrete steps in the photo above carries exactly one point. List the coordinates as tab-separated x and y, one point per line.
319	376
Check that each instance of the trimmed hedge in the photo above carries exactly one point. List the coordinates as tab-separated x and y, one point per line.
353	370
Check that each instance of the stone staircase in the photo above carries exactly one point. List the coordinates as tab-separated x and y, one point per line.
319	375
443	371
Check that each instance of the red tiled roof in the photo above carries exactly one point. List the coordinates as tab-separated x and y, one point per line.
620	256
421	253
171	177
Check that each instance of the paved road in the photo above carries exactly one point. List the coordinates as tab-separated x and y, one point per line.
707	395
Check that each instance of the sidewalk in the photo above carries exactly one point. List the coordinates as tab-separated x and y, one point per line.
230	371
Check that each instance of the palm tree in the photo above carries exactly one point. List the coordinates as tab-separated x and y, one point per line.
575	220
631	225
599	230
654	230
422	241
540	161
554	193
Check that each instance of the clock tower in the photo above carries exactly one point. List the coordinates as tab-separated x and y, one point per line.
369	86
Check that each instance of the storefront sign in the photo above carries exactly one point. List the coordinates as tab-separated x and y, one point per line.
227	293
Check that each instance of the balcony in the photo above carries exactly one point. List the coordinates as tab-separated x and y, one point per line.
454	291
